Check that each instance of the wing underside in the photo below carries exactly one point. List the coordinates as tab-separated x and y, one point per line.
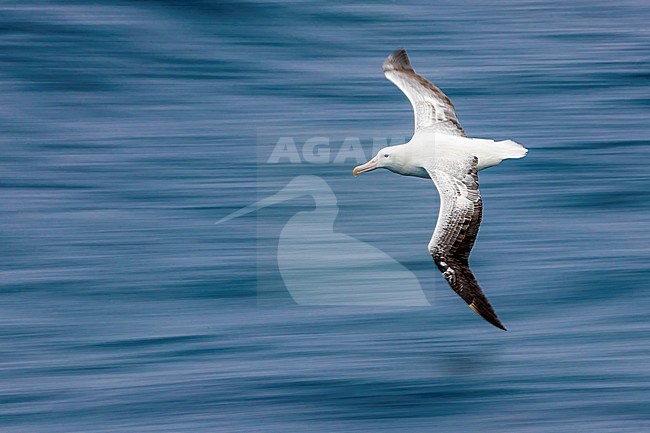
458	223
432	109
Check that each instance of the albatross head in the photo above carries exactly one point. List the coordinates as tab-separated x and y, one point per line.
389	158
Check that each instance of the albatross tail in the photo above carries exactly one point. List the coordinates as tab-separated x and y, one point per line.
507	149
491	153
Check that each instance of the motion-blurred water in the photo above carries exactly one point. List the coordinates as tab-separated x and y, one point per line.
128	128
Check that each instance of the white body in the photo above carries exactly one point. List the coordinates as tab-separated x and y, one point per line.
409	158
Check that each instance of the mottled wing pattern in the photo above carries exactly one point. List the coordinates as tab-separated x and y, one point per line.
432	108
459	219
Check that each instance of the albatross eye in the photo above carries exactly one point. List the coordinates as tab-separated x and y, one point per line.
385	155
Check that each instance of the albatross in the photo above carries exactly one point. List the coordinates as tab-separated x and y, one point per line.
441	151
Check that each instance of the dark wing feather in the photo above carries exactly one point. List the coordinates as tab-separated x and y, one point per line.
459	219
433	110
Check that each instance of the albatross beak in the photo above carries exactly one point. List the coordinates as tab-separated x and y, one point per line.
368	166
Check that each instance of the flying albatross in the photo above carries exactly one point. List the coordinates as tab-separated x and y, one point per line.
441	151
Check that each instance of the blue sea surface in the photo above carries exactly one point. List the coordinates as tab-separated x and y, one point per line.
128	128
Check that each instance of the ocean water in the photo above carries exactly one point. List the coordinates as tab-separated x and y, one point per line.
127	129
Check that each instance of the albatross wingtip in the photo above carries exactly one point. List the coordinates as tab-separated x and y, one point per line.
487	313
398	61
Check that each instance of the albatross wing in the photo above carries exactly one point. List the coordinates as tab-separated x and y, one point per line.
460	215
432	108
